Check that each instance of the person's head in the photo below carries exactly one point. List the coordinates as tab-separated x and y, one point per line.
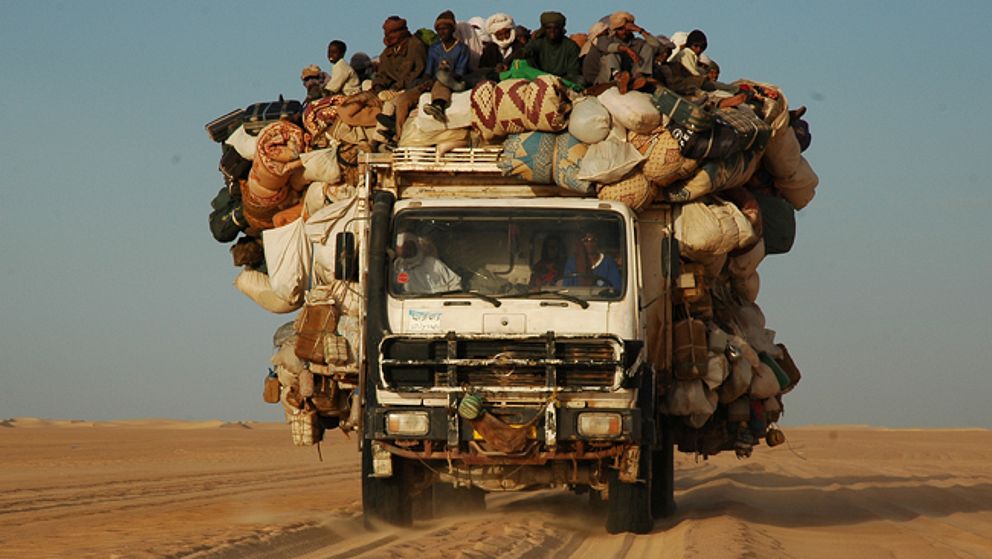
696	41
553	248
590	242
553	26
311	76
444	25
621	24
407	245
336	50
713	71
523	35
362	64
666	49
394	30
501	29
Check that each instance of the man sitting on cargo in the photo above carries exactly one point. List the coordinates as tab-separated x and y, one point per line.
624	58
502	49
552	52
447	65
401	67
590	267
686	79
415	272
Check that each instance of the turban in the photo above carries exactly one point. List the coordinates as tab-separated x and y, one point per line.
553	18
393	24
498	22
620	19
311	71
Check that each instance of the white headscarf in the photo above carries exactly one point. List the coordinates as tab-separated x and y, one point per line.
498	22
466	33
480	25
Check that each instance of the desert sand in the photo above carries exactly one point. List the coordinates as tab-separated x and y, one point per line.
161	488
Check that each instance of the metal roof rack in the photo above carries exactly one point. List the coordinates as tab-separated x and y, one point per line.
428	160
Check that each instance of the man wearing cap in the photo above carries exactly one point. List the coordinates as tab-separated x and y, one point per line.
447	65
624	58
313	79
552	52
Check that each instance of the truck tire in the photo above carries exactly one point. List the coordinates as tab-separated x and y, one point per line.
663	476
451	501
629	506
385	499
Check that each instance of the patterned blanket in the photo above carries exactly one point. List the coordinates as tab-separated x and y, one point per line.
515	106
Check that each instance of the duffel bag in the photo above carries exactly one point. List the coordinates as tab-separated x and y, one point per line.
227	219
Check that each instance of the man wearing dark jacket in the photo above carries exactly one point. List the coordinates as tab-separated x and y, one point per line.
402	62
552	52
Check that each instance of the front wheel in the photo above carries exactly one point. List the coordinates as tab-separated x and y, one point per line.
629	505
385	499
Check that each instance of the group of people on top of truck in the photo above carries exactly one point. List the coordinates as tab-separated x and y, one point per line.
455	56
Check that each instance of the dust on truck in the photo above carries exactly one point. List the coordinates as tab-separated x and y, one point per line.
495	383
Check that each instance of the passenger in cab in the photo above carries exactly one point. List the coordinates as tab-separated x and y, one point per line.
551	267
590	267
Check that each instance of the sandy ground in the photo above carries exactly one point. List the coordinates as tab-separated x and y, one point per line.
209	489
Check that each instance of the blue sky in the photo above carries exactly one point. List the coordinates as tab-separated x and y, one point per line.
117	302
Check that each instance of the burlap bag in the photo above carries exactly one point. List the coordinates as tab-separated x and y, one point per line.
635	191
522	106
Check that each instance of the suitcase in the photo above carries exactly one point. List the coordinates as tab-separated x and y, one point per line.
318	319
232	165
683	112
260	115
221	128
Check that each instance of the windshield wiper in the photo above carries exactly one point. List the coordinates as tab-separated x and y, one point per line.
577	300
487	298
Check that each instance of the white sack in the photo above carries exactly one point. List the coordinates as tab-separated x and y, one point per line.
634	109
459	113
255	285
708	230
589	122
322	165
287	257
800	187
243	143
609	161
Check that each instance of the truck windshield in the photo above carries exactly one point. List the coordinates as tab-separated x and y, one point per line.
565	255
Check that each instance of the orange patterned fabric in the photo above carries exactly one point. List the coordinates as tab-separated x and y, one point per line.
318	116
279	144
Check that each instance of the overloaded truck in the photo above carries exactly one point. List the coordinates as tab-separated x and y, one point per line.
489	357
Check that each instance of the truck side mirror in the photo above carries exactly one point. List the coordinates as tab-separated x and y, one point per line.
345	257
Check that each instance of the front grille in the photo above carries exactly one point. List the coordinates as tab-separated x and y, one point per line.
517	364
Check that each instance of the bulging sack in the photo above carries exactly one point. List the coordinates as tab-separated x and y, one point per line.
609	161
800	187
590	121
538	105
635	191
689	398
707	230
633	110
665	164
714	176
322	165
255	285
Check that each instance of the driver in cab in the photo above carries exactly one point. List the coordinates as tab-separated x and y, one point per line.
590	267
415	272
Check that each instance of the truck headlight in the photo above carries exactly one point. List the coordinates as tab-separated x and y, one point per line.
600	424
407	423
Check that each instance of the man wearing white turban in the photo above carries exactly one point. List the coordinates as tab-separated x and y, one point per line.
502	49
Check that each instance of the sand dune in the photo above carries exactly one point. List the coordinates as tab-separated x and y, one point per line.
162	488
